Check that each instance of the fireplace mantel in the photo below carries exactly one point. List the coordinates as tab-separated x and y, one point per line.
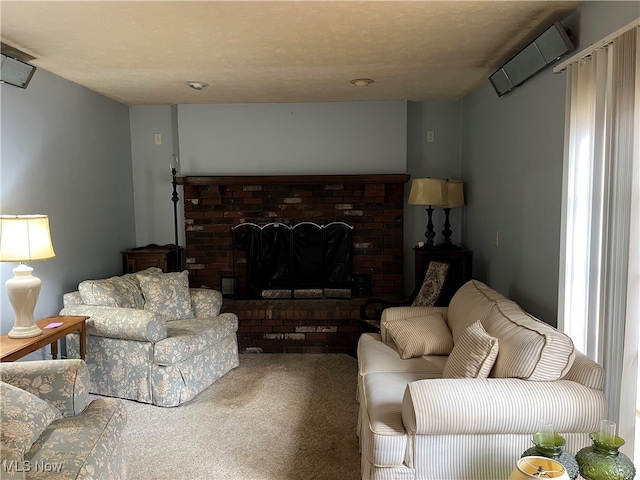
203	180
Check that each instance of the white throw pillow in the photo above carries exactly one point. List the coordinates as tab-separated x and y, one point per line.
167	294
473	355
529	348
473	301
418	336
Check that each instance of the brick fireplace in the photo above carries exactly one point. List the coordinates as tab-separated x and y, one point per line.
372	204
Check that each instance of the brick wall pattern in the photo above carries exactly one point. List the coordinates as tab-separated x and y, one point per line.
375	210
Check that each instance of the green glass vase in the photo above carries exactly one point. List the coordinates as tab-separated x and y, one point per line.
603	461
555	452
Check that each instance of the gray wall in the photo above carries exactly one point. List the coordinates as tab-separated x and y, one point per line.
298	138
512	154
152	175
66	152
440	159
257	139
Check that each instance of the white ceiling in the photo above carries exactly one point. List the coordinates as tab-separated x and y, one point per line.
142	53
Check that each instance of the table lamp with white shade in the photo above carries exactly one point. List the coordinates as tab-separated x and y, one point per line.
24	238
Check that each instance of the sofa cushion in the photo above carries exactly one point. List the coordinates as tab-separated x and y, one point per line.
167	294
88	445
382	398
121	291
147	271
24	418
473	355
471	302
188	337
420	335
529	348
12	466
376	356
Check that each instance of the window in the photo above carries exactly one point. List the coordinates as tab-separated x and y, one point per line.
600	246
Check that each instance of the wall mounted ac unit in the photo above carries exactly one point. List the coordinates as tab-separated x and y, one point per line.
552	44
13	70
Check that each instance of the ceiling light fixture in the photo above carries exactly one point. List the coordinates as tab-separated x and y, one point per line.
362	82
197	85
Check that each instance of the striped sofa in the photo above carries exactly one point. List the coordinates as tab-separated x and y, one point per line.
455	393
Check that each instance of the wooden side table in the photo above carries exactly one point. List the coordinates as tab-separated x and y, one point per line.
461	263
161	256
14	348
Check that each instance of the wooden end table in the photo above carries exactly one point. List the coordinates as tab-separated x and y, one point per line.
15	348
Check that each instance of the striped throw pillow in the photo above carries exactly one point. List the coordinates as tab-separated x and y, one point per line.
421	335
529	348
473	355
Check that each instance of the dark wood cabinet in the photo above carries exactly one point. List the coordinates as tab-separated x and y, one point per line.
460	260
161	256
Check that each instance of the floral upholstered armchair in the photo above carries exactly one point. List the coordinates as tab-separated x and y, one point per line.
151	338
51	430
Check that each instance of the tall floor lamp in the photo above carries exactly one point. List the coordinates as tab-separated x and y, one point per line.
24	238
455	199
175	169
433	193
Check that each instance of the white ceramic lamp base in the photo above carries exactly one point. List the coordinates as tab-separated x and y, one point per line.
23	291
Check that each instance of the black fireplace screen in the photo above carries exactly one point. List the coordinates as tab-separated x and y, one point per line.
305	260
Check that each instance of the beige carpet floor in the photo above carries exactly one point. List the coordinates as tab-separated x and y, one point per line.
276	417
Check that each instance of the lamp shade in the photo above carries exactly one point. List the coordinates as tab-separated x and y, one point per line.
538	467
24	238
455	194
428	191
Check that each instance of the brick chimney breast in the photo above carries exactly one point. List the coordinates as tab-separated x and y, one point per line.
372	204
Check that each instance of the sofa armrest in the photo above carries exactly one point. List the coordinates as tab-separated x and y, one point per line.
123	323
71	299
372	308
206	302
62	383
499	405
586	372
400	313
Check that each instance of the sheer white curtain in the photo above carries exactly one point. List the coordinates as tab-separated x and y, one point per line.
600	264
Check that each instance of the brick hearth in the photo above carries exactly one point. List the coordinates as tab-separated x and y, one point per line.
297	326
372	204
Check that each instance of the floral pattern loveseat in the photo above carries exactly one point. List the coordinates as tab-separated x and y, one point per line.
151	338
51	429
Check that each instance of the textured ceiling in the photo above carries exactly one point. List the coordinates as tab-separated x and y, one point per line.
142	53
